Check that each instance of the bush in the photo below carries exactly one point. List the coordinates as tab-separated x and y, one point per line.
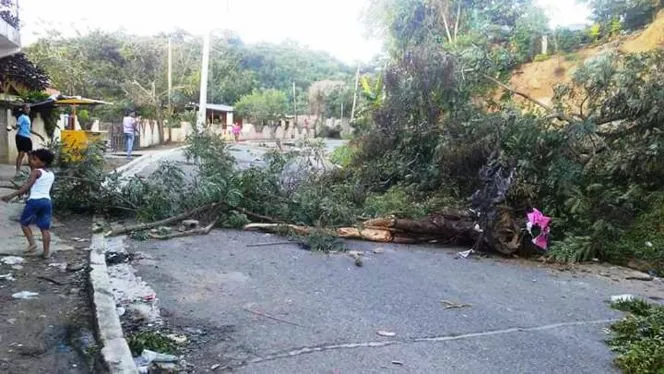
639	338
343	156
567	40
644	239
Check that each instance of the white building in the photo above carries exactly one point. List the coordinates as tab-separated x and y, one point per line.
10	39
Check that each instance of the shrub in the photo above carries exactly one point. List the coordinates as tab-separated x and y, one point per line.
639	338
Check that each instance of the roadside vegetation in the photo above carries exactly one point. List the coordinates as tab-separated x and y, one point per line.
438	130
638	339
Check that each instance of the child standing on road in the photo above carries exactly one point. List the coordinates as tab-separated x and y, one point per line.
38	208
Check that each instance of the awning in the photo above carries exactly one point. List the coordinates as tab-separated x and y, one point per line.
70	100
77	100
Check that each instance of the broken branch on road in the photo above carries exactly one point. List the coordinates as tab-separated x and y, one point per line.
199	231
271	317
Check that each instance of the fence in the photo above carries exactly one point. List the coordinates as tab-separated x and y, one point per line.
117	141
147	135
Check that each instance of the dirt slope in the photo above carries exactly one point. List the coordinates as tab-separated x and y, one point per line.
539	78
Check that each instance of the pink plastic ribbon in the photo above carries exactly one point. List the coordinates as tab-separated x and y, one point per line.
536	218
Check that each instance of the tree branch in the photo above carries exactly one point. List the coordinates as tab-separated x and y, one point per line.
163	222
447	28
548	108
456	24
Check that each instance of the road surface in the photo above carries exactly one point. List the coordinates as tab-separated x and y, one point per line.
281	309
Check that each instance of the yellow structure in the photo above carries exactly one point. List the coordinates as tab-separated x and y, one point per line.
75	142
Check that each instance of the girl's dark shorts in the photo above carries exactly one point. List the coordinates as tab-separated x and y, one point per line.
23	144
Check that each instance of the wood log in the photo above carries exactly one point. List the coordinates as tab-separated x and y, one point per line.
374	235
385	222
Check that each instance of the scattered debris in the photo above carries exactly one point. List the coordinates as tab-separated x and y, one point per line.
357	256
148	357
194	331
50	280
80	240
388	334
25	295
75	267
622	298
637	275
465	254
270	317
177	339
60	265
358	262
12	260
17	267
378	251
7	277
140	312
452	305
11	321
114	258
215	367
399	363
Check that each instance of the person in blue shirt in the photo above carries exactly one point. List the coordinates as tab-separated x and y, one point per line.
23	140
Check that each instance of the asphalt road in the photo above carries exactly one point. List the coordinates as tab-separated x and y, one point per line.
246	155
321	313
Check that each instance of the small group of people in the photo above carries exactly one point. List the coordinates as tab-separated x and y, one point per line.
38	208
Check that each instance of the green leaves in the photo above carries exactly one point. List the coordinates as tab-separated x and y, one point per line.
638	339
263	107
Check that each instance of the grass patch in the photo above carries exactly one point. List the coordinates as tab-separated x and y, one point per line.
151	340
638	339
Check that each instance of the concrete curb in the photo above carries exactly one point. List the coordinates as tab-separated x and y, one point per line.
115	351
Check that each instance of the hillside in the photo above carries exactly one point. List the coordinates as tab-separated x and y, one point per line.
539	78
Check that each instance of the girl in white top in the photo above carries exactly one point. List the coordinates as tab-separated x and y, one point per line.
38	209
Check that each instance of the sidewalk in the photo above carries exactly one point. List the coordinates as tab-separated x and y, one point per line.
43	334
7	172
13	240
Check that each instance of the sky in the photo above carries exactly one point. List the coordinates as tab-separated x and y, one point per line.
334	26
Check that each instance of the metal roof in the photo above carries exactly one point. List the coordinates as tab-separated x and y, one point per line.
215	107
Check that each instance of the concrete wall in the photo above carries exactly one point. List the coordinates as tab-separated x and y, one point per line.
8	150
293	133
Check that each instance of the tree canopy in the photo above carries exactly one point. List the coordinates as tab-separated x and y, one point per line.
263	107
132	70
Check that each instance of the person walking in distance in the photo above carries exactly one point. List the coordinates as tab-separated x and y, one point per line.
129	127
38	208
23	140
237	129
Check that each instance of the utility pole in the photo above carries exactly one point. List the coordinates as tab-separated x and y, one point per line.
294	104
357	82
170	76
202	105
342	114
